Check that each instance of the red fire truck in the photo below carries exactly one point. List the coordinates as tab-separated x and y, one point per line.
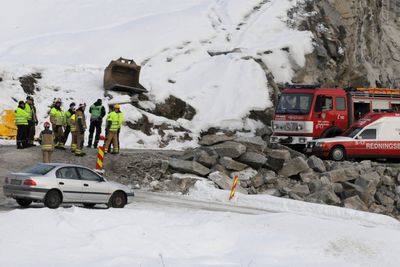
306	112
376	135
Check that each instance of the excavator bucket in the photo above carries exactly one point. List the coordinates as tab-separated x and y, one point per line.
123	75
8	129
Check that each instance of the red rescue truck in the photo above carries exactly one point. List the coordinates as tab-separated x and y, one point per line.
376	135
307	112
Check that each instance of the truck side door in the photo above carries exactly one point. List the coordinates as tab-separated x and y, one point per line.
341	113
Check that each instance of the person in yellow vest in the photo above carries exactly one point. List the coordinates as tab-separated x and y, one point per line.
120	120
112	127
57	122
67	120
46	140
80	123
32	120
21	120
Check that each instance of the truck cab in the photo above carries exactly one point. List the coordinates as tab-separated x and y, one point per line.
376	135
308	112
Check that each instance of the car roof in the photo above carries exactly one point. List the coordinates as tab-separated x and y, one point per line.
62	165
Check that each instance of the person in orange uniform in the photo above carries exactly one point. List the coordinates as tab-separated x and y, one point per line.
46	140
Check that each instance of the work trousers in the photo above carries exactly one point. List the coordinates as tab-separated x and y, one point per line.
30	138
112	137
73	142
22	133
79	143
58	135
47	156
67	130
94	125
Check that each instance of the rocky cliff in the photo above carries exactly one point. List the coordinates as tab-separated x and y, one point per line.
357	42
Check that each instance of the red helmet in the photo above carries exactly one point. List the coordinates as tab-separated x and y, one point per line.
47	124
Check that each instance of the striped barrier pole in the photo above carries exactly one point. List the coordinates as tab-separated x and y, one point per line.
100	156
235	181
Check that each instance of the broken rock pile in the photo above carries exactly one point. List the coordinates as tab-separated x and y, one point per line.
282	172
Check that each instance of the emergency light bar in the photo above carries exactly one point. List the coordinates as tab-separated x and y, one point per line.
303	86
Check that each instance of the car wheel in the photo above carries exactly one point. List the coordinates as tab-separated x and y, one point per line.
89	205
338	153
53	199
23	202
117	200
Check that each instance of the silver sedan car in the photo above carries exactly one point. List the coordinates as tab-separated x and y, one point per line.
56	183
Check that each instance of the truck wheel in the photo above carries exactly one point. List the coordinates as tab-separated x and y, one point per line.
337	153
23	202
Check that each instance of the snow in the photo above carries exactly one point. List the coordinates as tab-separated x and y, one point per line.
293	233
71	42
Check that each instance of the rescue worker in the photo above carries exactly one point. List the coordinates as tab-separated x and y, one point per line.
73	132
80	123
32	121
120	120
112	127
97	112
46	140
21	120
67	120
57	122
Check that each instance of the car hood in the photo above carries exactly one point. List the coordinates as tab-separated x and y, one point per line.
335	139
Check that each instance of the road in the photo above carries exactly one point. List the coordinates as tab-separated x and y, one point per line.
162	200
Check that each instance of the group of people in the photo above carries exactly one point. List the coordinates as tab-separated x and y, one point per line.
72	121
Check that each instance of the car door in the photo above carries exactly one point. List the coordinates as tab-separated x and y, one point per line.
70	184
95	188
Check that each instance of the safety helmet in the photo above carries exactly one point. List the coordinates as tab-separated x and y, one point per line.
58	100
46	124
117	106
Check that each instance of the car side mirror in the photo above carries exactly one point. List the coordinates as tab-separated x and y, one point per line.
359	137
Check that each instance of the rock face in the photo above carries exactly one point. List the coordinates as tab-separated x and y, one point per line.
174	108
356	42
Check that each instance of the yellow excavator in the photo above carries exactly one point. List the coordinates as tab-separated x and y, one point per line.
123	75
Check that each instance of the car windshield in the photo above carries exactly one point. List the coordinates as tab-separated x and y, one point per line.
351	132
294	103
41	169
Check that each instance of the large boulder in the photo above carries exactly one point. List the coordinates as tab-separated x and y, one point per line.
245	175
316	164
342	175
324	195
366	186
276	158
355	203
294	166
189	167
224	182
232	164
229	149
253	159
206	157
174	108
253	144
212	139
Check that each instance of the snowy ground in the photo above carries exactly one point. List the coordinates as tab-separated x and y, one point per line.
169	38
170	232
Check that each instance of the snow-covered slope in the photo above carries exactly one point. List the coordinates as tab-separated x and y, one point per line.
70	43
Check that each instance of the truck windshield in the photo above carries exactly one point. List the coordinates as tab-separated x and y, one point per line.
294	103
351	132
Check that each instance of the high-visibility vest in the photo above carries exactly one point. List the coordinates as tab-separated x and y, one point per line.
120	119
73	123
95	111
114	119
21	116
29	110
47	140
57	116
67	117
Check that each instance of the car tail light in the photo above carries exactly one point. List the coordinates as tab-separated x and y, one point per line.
6	180
30	182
